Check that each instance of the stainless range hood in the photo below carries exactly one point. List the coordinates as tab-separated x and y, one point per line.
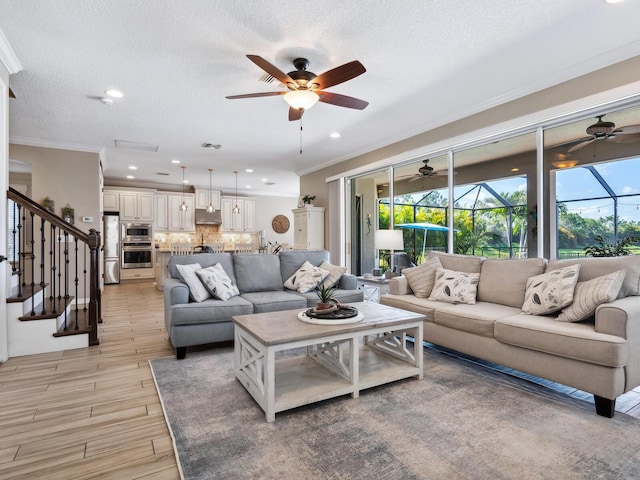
208	218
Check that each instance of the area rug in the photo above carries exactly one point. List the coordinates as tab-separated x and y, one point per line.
463	421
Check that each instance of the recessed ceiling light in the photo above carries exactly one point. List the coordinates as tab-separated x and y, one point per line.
175	161
114	93
264	180
132	167
334	135
130	177
106	101
515	169
610	2
247	186
248	170
185	181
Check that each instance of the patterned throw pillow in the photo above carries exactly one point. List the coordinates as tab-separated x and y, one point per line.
550	292
335	272
422	278
455	287
588	295
306	278
217	282
197	292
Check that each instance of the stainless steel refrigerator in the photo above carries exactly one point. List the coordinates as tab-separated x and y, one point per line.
111	248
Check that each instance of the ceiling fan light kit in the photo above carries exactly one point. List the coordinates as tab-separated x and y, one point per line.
301	99
603	130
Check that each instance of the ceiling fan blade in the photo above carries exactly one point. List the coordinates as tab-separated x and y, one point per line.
416	177
629	129
339	75
295	114
581	144
630	138
254	95
272	70
342	100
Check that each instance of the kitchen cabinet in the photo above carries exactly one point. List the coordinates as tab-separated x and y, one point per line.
308	225
245	221
136	206
169	217
110	201
202	198
136	273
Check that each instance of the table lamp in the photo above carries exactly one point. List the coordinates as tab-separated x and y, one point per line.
389	240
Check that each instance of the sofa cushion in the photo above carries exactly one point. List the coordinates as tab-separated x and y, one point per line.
217	282
477	319
412	303
306	278
595	267
588	295
341	295
335	273
257	273
455	287
290	260
550	292
197	291
571	340
423	277
209	311
505	281
274	301
457	262
205	260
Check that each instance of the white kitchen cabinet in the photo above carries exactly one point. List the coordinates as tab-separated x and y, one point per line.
308	225
202	198
136	206
245	221
110	201
160	213
179	221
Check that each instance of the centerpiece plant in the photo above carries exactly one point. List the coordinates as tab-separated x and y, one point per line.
325	294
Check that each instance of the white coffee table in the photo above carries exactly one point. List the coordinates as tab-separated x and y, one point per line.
335	361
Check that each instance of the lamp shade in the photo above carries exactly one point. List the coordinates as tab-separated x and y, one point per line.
389	240
301	99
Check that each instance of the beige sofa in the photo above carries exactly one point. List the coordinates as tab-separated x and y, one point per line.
600	355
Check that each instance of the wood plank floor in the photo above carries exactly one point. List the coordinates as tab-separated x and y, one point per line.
92	412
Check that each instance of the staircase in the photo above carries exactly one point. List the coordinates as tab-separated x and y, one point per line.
53	302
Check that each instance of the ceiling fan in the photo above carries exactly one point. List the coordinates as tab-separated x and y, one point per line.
305	88
602	130
424	171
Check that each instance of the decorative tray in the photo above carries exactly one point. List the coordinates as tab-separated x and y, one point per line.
342	315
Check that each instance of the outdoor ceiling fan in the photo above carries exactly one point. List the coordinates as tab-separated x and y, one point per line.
602	130
305	88
424	171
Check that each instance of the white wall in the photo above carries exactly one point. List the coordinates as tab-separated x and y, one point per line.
4	175
269	207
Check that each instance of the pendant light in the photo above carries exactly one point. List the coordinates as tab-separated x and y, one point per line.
236	209
210	207
183	206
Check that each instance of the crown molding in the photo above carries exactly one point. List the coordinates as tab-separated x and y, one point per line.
35	142
7	56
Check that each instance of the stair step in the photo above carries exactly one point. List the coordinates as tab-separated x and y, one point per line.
27	293
83	324
60	305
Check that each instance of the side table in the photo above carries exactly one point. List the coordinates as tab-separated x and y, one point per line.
373	287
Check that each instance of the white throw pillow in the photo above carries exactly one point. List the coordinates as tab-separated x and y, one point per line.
422	278
550	292
588	295
217	282
335	272
197	292
306	278
455	287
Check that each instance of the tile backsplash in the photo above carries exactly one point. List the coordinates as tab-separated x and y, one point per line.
203	235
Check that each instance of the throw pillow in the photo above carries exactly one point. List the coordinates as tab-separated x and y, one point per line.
455	287
422	278
197	292
306	278
588	295
335	272
550	292
217	282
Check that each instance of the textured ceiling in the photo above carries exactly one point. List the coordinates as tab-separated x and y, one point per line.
428	63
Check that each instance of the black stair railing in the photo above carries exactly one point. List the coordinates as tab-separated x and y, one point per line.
54	254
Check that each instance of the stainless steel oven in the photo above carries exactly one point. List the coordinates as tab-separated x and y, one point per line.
137	233
137	255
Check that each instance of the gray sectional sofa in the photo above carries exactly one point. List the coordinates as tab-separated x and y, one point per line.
260	279
599	355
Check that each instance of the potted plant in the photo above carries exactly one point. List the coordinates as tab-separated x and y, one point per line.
325	294
48	204
308	200
68	213
618	248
